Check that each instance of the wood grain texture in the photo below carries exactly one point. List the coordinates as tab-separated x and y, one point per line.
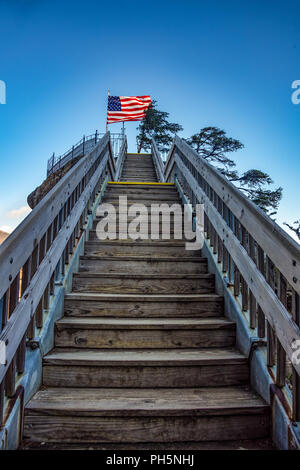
143	265
139	284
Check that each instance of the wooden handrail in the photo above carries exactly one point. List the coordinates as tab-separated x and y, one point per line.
120	160
258	258
276	243
37	253
19	245
158	163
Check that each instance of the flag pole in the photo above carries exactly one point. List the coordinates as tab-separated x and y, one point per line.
108	94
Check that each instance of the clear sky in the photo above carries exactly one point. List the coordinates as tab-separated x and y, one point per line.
224	63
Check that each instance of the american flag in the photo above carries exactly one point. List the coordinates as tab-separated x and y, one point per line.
127	108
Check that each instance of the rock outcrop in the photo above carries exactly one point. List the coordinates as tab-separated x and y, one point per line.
40	192
3	236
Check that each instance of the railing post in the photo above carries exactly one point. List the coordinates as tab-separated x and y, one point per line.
83	144
96	136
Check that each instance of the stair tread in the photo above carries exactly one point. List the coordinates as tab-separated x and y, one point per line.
139	242
142	297
199	259
145	402
96	357
143	323
142	276
242	444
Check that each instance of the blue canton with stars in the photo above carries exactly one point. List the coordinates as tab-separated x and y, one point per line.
114	103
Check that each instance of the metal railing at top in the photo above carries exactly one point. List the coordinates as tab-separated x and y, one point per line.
260	263
84	147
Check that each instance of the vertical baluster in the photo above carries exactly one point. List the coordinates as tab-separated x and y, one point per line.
243	282
14	294
252	301
10	379
52	283
34	261
39	314
224	260
271	339
261	330
42	249
220	248
46	297
296	377
26	275
20	360
236	271
2	396
5	309
49	236
236	281
281	355
31	328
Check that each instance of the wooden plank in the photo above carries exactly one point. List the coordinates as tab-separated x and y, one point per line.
144	338
18	323
2	398
103	323
145	357
144	306
19	245
206	401
146	429
275	242
217	375
10	379
280	320
184	284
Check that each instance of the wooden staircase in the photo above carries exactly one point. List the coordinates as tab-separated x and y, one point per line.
144	353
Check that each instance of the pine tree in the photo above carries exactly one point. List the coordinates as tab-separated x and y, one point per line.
156	125
213	144
295	229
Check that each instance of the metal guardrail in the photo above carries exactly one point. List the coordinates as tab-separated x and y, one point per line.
84	147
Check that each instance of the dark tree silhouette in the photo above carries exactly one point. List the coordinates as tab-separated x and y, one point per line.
214	145
156	125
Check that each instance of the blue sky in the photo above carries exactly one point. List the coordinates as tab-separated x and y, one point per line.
224	63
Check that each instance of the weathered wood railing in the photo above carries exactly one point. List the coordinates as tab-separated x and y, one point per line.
121	158
158	163
259	260
36	255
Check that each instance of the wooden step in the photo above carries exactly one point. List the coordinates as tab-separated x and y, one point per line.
138	174
144	283
139	197
145	415
146	186
151	248
145	231
140	189
139	180
135	305
132	170
148	202
143	265
144	368
130	415
112	333
174	221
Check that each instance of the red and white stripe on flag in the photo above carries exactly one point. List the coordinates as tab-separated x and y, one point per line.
127	108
